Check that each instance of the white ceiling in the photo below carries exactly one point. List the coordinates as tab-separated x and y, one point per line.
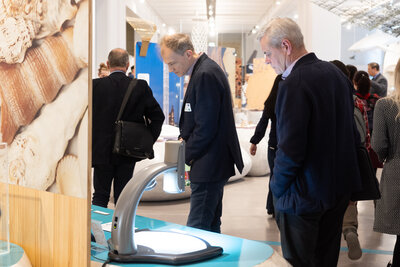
372	14
232	16
237	16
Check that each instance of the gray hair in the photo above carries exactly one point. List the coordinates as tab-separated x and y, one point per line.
278	29
178	42
118	57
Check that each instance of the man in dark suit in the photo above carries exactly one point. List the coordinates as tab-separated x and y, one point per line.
108	93
316	166
379	83
208	128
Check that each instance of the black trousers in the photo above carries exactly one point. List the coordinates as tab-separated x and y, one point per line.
271	160
206	205
312	239
103	176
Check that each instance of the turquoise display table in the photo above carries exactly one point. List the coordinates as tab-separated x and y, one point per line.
237	251
15	258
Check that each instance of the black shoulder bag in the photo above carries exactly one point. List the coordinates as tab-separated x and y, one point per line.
132	139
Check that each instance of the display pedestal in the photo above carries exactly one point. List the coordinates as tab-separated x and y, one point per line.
15	258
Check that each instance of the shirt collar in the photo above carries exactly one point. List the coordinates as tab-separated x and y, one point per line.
289	69
190	70
377	75
117	71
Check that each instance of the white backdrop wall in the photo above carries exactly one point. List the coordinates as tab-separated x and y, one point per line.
109	26
321	29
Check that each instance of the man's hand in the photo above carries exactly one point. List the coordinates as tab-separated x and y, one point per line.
253	149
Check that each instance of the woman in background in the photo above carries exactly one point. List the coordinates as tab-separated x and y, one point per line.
386	143
362	84
103	70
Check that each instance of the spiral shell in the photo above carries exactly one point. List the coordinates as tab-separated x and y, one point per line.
26	86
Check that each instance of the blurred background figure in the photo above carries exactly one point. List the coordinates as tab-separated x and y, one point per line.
362	84
386	143
268	114
379	83
131	74
350	219
352	70
103	70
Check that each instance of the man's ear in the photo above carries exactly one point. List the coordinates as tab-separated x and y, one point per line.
108	64
189	53
287	46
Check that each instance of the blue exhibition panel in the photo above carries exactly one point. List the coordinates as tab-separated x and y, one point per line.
237	251
152	65
175	95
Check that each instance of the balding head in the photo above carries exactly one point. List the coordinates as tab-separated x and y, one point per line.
118	58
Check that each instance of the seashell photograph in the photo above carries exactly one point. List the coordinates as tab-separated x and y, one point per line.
44	48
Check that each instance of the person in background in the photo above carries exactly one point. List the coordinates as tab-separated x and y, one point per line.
350	220
386	144
362	84
108	93
352	70
268	114
208	128
379	83
316	166
131	74
103	70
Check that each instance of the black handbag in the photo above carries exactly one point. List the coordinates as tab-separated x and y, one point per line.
370	184
132	139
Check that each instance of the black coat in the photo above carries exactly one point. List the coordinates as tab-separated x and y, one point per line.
108	93
316	162
207	124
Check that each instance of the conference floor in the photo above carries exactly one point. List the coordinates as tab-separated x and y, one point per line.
245	216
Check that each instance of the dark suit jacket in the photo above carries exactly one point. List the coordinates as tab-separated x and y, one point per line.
207	124
108	93
379	85
316	161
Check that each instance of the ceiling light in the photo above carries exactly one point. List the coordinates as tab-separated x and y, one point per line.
278	2
296	16
348	26
171	31
210	6
210	12
253	31
257	27
163	24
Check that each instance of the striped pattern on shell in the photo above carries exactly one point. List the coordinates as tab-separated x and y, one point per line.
26	86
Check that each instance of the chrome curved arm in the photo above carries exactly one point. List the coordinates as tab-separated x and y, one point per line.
123	223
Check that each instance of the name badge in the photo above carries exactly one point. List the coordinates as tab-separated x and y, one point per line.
188	108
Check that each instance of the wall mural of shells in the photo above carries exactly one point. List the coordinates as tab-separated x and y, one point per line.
44	93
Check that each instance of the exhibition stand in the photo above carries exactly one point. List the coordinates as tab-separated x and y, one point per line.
16	257
236	251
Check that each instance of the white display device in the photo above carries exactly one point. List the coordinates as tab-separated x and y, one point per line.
128	245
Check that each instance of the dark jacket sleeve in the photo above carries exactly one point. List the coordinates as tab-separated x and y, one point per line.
153	113
206	114
261	127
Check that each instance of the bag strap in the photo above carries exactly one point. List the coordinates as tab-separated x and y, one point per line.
126	97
